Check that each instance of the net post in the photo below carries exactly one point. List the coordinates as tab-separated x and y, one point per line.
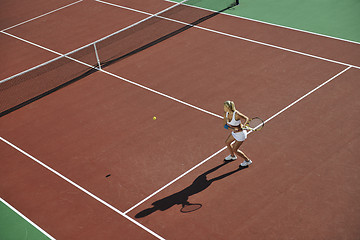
97	56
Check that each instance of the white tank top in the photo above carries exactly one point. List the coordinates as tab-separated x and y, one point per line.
233	122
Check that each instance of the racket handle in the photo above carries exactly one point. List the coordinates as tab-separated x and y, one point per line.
247	128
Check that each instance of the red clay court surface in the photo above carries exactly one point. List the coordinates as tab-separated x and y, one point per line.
304	180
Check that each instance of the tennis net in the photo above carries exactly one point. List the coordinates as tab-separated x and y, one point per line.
33	84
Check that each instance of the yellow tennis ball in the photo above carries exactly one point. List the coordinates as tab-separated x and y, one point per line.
154	118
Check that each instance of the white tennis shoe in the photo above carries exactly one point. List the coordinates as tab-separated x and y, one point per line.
246	163
230	158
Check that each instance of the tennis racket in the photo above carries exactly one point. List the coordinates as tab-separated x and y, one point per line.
254	124
190	207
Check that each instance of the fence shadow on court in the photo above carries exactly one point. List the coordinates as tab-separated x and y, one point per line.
181	197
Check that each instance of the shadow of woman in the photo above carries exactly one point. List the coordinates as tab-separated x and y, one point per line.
181	197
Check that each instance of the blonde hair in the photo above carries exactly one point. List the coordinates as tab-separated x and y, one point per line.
230	105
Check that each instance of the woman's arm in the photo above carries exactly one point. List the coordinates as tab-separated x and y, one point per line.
240	115
226	126
225	120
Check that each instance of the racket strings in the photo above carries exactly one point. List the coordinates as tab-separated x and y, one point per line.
190	207
256	123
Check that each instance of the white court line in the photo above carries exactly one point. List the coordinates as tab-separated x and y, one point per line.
125	213
301	98
27	219
205	29
154	91
202	28
182	175
42	15
272	117
162	94
122	78
235	36
83	189
92	43
273	24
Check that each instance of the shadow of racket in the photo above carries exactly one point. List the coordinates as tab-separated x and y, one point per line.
190	207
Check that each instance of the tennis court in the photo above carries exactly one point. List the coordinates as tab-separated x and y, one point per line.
83	158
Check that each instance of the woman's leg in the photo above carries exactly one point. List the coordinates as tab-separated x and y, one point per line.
228	142
236	150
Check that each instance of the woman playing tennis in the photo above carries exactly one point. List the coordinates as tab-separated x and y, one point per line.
232	120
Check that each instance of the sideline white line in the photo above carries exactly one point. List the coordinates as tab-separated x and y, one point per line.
27	219
276	25
294	29
182	175
83	189
301	98
281	48
281	111
235	36
42	15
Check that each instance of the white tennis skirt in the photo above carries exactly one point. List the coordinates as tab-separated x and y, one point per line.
240	136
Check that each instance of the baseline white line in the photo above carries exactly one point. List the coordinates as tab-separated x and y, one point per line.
235	36
27	219
281	111
276	25
42	15
83	189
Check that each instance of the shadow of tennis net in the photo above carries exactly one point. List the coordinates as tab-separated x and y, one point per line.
40	81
